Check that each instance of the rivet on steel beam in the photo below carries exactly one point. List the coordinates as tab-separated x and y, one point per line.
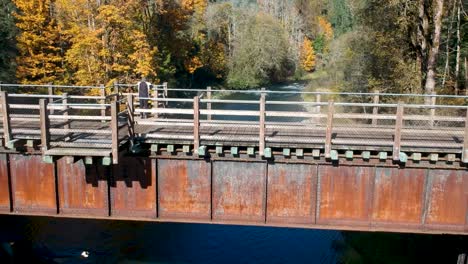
251	151
170	148
334	155
219	150
234	150
403	157
451	158
316	153
299	153
286	152
202	151
349	154
106	161
383	156
48	159
154	148
434	157
365	155
88	160
267	153
186	149
416	156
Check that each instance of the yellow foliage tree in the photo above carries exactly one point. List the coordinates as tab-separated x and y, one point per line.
325	28
307	55
40	58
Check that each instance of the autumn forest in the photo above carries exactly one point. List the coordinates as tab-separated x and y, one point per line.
342	45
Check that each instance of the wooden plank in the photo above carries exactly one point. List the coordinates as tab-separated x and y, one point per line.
261	144
45	123
398	128
196	123
5	117
375	109
115	132
329	130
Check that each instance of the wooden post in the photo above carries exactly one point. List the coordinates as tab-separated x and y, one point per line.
329	131
131	115
44	117
196	123
5	117
115	131
50	91
375	109
398	128
208	105
262	117
102	93
465	141
65	110
116	91
433	110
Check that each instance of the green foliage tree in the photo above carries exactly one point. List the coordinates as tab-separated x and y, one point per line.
8	50
260	54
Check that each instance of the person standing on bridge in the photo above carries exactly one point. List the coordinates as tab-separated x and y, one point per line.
143	93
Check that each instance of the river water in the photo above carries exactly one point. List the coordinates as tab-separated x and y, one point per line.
51	240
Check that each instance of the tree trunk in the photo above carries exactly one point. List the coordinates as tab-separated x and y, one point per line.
423	28
429	86
447	48
457	64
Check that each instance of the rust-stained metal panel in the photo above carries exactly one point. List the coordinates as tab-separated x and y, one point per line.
82	190
345	194
133	188
33	184
184	189
239	191
398	195
291	193
4	184
447	198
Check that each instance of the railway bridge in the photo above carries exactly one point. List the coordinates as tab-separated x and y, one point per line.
348	161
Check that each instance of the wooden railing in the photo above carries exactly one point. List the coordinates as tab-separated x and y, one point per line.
78	125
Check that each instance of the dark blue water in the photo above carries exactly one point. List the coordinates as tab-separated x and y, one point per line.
63	240
32	239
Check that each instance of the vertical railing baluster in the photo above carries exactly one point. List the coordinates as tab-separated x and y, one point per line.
208	105
51	92
375	109
154	100
165	89
433	110
398	128
102	93
45	132
465	140
262	126
329	129
131	117
196	123
5	118
318	100
115	131
116	91
65	110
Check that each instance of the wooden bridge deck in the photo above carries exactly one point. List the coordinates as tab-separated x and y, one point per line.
64	125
